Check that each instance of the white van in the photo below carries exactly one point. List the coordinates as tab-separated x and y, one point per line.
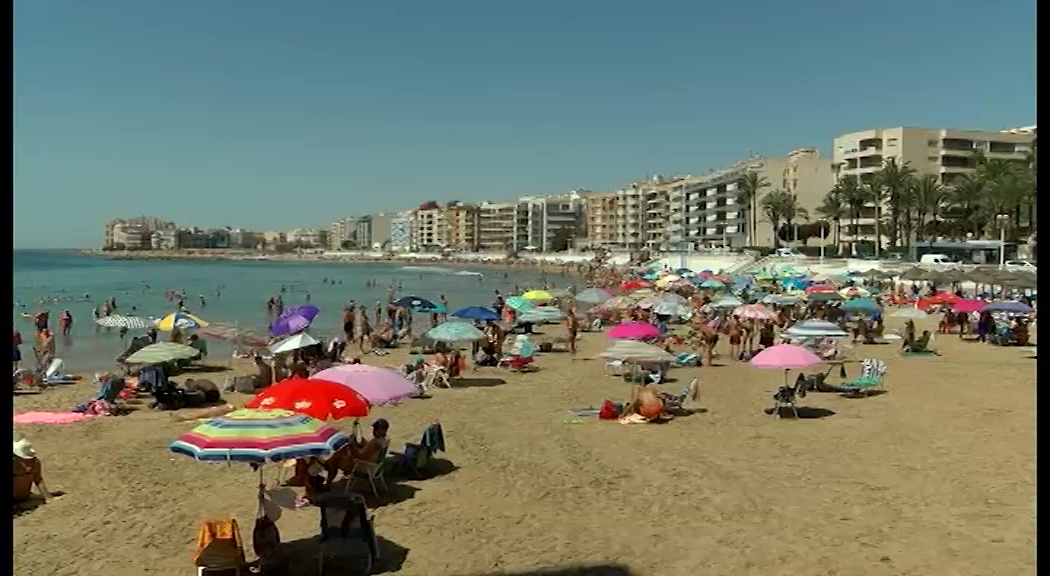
789	253
935	259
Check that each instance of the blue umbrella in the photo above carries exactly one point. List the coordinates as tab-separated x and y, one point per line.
476	313
1007	306
593	296
294	320
414	302
861	305
454	332
437	308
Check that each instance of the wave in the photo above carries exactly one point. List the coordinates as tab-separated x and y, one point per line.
431	269
468	273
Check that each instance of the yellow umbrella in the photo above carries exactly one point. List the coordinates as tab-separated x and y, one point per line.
667	280
537	295
180	320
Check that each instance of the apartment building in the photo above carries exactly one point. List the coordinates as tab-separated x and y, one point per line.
380	237
600	226
496	225
429	232
462	223
122	233
547	223
941	152
341	232
401	231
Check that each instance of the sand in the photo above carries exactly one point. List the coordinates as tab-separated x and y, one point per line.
937	476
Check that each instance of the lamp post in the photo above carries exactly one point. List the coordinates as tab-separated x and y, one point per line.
1002	219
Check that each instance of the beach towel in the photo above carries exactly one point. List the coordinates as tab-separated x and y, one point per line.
50	417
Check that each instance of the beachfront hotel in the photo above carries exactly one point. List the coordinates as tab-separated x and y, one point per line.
944	153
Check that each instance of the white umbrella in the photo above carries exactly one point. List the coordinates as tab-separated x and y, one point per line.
129	322
854	292
815	329
669	308
634	351
301	340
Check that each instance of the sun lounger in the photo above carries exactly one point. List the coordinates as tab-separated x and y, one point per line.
872	376
676	402
220	548
373	470
686	359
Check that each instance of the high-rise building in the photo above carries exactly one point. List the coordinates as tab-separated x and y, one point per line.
496	223
120	233
944	153
601	219
401	231
381	232
429	230
462	222
548	223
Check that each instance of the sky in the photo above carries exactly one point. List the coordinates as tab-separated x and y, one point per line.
271	114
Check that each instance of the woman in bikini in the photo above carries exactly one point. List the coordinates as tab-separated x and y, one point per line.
709	339
735	334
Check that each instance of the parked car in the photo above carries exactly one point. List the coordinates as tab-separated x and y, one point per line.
1020	266
789	253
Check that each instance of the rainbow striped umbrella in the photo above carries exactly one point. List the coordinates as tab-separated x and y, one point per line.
259	435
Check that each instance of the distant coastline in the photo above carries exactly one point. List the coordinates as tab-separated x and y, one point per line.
534	262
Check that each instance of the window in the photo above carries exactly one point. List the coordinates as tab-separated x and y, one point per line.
933	159
931	143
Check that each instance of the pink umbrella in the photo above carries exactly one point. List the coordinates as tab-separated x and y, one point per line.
633	331
377	385
785	357
967	306
754	312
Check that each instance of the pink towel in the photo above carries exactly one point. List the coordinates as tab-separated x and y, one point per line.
50	417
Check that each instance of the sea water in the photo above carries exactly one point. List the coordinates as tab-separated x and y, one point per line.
234	292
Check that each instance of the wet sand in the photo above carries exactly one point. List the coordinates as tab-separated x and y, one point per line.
936	476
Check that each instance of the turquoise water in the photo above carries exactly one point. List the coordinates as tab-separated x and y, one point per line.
234	292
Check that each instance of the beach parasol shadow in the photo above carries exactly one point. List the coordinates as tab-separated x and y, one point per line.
301	557
804	412
596	570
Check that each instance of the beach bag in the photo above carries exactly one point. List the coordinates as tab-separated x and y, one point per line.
608	411
266	538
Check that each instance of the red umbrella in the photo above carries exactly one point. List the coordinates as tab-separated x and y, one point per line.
632	285
818	288
321	399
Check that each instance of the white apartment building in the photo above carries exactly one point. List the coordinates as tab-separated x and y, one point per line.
944	153
429	232
496	226
401	231
542	222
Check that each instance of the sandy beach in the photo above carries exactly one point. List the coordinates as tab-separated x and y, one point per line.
937	476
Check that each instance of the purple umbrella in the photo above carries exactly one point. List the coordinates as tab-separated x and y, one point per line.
378	385
294	320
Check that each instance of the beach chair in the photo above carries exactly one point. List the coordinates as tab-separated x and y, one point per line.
786	396
220	549
416	457
677	402
615	367
872	376
683	359
347	533
517	362
373	470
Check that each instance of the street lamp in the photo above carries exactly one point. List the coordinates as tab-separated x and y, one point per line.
1002	219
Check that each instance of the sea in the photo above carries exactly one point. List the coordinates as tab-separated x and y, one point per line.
234	292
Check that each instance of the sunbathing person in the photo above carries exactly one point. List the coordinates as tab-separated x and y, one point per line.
359	450
921	346
28	472
384	337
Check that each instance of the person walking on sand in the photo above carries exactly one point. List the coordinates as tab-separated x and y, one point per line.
572	327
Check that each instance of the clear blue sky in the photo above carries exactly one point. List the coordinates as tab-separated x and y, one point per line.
277	114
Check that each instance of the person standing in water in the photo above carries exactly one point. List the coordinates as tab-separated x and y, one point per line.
444	302
65	322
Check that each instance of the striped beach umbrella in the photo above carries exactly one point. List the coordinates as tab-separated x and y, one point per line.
258	436
129	322
162	352
180	320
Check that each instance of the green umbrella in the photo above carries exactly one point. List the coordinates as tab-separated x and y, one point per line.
162	352
712	283
825	297
518	303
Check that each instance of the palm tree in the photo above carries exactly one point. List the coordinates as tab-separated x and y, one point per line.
965	198
927	197
775	207
791	209
750	187
852	194
875	192
833	208
895	180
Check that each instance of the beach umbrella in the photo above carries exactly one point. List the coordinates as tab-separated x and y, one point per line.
1007	306
968	305
650	276
780	299
754	312
618	303
914	274
537	296
712	284
666	280
632	285
593	296
727	302
854	292
321	399
632	351
540	314
162	352
685	272
235	334
129	322
670	308
476	313
910	312
518	303
785	357
861	305
180	320
819	288
375	384
292	343
824	297
258	436
633	331
414	302
294	320
815	329
454	332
